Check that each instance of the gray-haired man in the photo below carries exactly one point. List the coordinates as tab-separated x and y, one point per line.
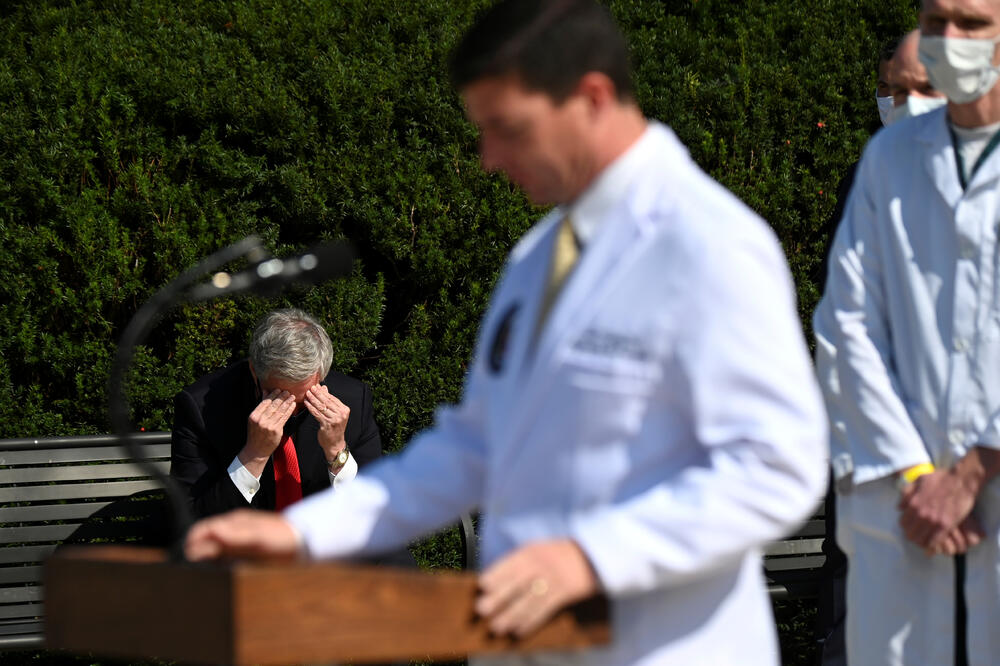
275	427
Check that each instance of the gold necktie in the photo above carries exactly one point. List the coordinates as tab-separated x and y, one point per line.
565	253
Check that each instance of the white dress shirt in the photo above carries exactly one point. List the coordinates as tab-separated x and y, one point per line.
248	484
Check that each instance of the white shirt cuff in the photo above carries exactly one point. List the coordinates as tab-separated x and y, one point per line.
346	473
245	482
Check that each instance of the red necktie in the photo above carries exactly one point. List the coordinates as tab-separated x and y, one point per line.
287	480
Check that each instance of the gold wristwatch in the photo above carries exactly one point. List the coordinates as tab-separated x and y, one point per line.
339	460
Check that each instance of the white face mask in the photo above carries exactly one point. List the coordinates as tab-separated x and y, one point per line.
884	109
960	68
914	106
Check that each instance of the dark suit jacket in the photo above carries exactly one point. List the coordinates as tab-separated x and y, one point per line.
210	428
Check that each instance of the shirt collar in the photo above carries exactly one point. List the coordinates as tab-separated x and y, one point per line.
588	212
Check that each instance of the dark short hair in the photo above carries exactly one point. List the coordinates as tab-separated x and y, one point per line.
548	44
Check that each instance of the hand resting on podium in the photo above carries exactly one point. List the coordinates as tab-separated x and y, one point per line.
518	593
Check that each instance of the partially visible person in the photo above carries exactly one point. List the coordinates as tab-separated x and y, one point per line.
909	85
908	346
275	427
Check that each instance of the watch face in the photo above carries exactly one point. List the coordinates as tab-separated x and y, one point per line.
342	457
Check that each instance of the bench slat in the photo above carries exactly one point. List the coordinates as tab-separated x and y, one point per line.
794	563
75	491
78	473
39	512
84	454
29	642
36	533
10	595
29	627
10	575
20	612
798	547
118	530
19	554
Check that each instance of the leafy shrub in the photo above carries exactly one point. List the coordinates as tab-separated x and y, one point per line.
141	136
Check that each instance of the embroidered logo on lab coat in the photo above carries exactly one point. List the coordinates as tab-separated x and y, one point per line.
501	340
610	344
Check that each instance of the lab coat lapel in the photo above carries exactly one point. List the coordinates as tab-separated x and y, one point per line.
939	158
604	258
518	301
585	285
987	174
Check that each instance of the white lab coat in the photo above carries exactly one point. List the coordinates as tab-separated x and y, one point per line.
667	419
908	350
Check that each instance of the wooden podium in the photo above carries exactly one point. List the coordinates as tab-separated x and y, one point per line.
132	602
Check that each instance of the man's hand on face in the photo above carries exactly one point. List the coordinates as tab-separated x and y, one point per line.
257	535
525	588
935	513
332	416
265	426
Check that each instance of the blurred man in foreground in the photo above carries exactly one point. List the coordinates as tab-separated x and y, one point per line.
640	417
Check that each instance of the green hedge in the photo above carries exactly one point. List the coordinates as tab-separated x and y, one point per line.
141	135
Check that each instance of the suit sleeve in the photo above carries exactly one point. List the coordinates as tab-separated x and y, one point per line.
741	376
854	356
196	465
367	446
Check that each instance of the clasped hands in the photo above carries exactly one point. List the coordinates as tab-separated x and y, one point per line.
936	510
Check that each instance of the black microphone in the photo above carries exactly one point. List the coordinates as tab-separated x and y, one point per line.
269	276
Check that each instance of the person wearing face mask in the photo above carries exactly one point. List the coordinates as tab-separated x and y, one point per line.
910	88
908	350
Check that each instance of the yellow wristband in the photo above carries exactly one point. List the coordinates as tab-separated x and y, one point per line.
911	474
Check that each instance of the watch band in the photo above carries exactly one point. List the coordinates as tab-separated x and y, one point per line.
339	460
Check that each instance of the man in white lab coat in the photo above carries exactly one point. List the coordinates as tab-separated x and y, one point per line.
640	430
908	350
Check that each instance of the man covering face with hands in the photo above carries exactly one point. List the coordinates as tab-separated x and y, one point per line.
275	427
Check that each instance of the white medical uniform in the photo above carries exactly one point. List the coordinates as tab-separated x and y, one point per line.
666	419
908	351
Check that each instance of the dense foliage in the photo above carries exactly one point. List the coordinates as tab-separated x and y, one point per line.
141	136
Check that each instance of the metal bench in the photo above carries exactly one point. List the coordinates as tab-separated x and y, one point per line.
48	488
794	565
